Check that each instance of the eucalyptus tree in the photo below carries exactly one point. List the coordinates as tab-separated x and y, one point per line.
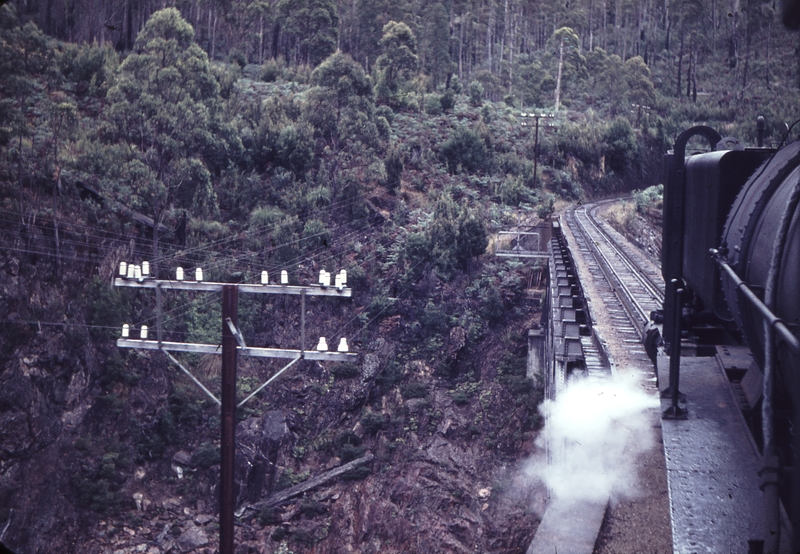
398	64
310	29
25	59
165	110
435	43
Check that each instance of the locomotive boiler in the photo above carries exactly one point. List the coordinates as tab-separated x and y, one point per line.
731	263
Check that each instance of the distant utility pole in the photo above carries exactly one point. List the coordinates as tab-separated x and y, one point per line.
638	111
536	117
233	344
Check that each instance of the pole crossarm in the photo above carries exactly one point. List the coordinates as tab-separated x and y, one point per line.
203	286
246	351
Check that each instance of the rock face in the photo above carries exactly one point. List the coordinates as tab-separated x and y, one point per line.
192	537
259	441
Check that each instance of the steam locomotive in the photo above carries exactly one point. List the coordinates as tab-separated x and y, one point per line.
731	263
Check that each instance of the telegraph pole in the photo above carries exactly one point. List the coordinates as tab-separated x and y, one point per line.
233	344
230	299
536	117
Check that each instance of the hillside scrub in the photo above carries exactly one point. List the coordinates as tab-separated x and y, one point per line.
197	146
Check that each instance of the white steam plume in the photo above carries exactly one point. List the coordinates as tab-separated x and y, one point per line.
596	429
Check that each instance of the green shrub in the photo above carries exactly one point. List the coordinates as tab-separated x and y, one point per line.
433	104
649	197
268	515
475	91
345	370
448	100
415	389
270	71
466	150
350	452
206	455
315	235
513	191
464	392
622	149
357	473
394	169
107	309
372	422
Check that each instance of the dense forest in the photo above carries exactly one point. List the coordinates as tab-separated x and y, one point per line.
391	139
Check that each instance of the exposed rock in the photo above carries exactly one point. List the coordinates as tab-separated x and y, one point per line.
458	339
182	457
370	367
191	538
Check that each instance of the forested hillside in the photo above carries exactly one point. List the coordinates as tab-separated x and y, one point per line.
385	138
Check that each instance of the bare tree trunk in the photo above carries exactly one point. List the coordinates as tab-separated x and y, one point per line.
769	41
214	34
591	25
511	54
489	26
56	194
733	44
558	77
19	172
680	66
503	36
461	50
261	40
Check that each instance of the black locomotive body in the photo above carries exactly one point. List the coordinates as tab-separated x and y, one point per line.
741	205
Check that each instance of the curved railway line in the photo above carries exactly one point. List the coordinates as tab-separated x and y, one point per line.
629	285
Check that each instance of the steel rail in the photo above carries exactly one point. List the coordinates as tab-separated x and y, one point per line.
618	267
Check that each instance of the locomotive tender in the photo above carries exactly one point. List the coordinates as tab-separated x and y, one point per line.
731	263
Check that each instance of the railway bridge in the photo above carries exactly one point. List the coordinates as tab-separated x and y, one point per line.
602	295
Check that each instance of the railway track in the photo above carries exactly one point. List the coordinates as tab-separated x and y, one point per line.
629	289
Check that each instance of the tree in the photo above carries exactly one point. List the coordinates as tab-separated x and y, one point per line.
641	90
341	105
571	63
311	27
435	47
25	54
398	63
166	109
621	146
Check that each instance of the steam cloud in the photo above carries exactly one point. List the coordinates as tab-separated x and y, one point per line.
596	431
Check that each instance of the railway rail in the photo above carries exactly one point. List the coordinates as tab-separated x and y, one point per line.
630	288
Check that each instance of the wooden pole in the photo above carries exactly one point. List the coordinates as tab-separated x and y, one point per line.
227	497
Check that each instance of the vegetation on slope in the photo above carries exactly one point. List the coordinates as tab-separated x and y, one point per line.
399	169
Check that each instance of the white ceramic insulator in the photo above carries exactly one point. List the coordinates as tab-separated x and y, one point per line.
131	271
123	269
322	345
146	269
343	275
342	345
143	333
126	331
198	274
137	272
179	274
264	278
284	277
